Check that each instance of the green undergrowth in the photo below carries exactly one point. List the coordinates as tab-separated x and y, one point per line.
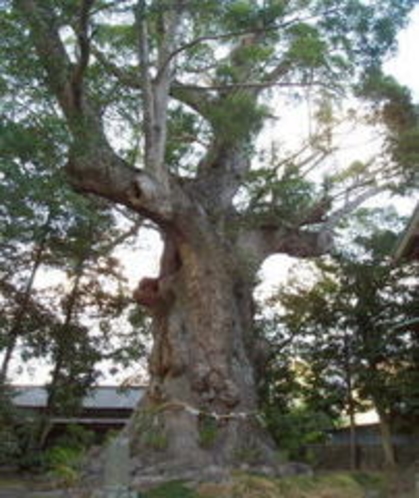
337	485
377	482
170	490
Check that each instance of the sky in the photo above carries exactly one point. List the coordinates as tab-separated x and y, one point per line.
404	66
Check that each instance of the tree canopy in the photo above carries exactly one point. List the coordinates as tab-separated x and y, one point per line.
352	331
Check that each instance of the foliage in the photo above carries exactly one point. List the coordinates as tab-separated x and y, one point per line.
208	431
298	401
251	486
9	444
63	463
392	106
55	231
344	331
76	437
173	489
18	434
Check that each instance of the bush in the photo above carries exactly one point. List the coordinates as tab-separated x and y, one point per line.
9	440
76	437
63	464
9	446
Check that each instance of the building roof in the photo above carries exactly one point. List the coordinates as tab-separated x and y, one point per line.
408	245
100	397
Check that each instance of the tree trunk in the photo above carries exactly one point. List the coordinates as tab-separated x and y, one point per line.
200	411
353	453
16	328
60	354
388	449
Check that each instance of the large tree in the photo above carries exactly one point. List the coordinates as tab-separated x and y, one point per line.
163	102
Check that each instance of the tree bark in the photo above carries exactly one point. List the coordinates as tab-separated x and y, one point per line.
202	393
388	449
351	403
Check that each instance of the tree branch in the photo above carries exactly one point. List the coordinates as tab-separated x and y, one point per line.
278	72
82	32
249	85
98	170
257	244
129	79
200	102
93	166
52	54
156	92
236	34
133	230
146	85
333	220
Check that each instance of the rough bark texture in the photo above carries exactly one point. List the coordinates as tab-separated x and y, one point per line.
202	395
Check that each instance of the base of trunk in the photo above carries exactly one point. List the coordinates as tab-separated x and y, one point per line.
176	432
171	444
193	476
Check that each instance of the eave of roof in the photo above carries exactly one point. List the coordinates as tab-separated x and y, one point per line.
99	397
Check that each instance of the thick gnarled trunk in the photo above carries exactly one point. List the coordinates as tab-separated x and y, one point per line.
202	397
201	406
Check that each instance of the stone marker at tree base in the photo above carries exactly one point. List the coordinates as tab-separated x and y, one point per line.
117	465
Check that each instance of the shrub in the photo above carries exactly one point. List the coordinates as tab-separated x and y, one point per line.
63	464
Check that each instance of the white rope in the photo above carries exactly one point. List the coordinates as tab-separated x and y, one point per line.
217	416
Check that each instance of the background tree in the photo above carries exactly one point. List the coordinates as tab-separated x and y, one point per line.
162	104
47	233
307	384
349	328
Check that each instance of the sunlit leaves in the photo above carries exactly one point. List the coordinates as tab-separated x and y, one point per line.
274	196
237	118
393	108
307	47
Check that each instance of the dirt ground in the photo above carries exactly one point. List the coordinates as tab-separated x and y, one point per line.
375	485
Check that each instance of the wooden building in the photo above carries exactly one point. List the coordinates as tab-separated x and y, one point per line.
104	409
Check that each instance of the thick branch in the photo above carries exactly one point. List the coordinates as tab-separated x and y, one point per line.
82	31
52	54
156	92
259	244
93	167
200	102
146	86
100	171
